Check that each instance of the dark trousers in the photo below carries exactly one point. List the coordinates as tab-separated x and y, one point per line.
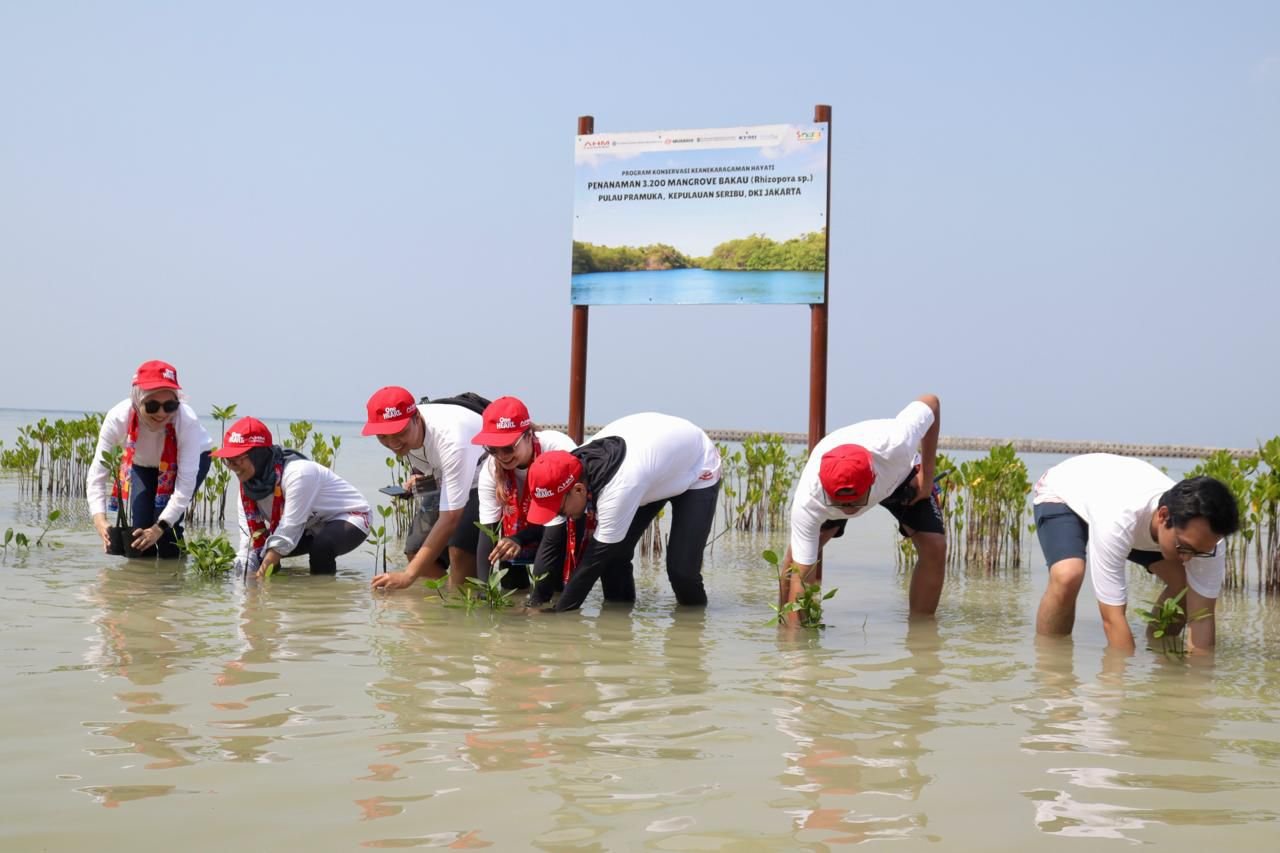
328	543
692	515
142	503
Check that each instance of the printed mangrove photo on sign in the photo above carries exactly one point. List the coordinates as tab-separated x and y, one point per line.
728	215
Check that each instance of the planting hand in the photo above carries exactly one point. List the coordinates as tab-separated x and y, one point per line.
923	485
504	549
145	538
100	524
270	562
394	580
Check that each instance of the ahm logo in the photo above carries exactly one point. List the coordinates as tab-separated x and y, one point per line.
596	143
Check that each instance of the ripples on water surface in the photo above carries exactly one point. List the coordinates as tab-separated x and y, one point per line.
149	711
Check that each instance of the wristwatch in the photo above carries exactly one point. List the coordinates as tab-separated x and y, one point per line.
163	525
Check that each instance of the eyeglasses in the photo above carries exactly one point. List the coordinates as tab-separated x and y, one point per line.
1188	551
153	406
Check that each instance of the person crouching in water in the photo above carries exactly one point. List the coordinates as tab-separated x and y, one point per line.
512	442
289	505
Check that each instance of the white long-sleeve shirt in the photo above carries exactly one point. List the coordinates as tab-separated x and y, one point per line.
313	496
666	456
192	441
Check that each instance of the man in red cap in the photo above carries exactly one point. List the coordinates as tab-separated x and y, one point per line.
437	439
609	491
887	462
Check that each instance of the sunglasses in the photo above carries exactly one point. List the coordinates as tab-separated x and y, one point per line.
510	448
153	406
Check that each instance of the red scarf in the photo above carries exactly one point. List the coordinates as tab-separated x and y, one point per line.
168	465
515	514
571	555
258	531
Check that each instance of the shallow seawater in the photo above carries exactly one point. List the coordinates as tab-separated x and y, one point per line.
148	710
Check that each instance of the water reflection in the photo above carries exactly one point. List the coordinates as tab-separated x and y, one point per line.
594	710
141	640
855	772
1140	712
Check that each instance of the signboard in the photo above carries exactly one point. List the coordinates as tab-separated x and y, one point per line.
728	215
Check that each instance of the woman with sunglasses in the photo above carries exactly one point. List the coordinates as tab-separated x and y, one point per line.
512	443
166	457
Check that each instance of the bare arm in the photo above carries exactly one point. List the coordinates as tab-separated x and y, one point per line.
1201	633
425	563
1116	626
929	449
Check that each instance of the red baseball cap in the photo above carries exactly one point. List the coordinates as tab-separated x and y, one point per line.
242	436
551	475
505	420
389	409
155	375
846	473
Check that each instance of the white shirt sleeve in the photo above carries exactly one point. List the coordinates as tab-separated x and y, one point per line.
1108	552
914	421
98	483
193	440
1206	574
242	552
615	510
490	509
807	516
300	487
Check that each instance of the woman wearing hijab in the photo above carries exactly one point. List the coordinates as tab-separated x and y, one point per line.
512	443
289	505
166	457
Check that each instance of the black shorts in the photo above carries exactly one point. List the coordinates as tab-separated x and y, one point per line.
1064	535
922	517
464	535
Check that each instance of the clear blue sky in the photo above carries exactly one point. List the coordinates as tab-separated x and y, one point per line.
1062	218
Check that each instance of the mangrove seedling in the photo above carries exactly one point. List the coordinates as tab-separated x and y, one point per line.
19	540
807	606
1167	619
112	459
52	517
378	537
210	556
438	586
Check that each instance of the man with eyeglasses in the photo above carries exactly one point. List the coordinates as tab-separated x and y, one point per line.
437	439
889	462
1106	510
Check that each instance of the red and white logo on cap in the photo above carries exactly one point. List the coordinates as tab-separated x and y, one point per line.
238	438
390	413
542	492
